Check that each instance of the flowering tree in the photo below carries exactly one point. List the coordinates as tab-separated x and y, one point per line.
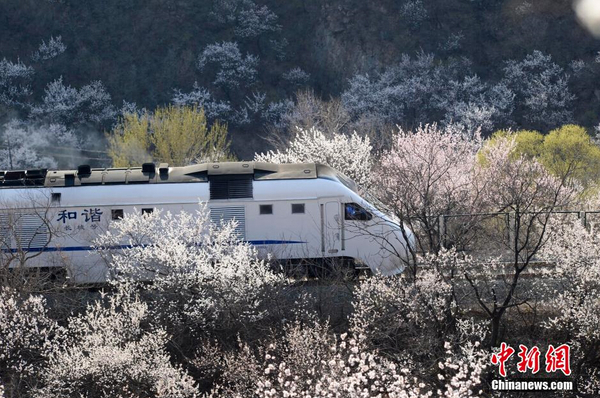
27	145
275	114
425	322
473	104
233	69
422	89
575	295
26	338
68	105
202	273
463	370
49	50
308	110
413	12
113	349
311	362
526	189
399	315
401	92
541	88
296	76
249	19
314	146
427	173
534	90
14	78
200	97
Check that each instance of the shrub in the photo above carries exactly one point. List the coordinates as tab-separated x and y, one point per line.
113	350
26	338
203	276
309	361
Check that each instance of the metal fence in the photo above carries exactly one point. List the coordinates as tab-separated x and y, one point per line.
493	233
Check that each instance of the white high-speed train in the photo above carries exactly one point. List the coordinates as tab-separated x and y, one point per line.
292	211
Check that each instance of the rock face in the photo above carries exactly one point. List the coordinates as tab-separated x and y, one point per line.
144	49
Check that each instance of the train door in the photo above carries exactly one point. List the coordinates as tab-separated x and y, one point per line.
331	228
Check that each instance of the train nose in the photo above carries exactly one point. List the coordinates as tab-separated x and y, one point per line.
411	245
399	245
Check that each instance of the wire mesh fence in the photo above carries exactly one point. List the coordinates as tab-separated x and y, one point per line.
492	234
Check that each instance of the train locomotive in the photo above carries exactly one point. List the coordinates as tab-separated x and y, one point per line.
291	211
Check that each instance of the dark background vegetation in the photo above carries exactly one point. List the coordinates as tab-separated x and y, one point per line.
143	50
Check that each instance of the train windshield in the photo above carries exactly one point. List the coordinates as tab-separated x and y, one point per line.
353	186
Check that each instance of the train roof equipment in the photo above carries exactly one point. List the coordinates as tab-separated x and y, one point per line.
150	173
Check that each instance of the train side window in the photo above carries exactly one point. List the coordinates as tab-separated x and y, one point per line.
297	208
116	214
55	197
355	212
147	211
266	209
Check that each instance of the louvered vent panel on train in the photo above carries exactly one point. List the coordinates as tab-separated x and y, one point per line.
32	231
230	187
221	215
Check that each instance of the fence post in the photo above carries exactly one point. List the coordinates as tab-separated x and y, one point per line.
442	230
583	218
511	230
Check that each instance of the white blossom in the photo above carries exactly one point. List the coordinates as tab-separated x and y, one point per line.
403	92
577	65
350	154
426	173
472	104
309	361
296	76
248	18
453	43
233	69
574	293
114	350
66	104
49	50
256	103
201	97
29	145
14	78
541	89
202	272
26	337
275	113
414	12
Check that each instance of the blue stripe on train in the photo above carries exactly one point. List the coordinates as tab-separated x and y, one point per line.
88	248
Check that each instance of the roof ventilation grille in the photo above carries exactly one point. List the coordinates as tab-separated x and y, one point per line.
231	186
148	168
84	169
